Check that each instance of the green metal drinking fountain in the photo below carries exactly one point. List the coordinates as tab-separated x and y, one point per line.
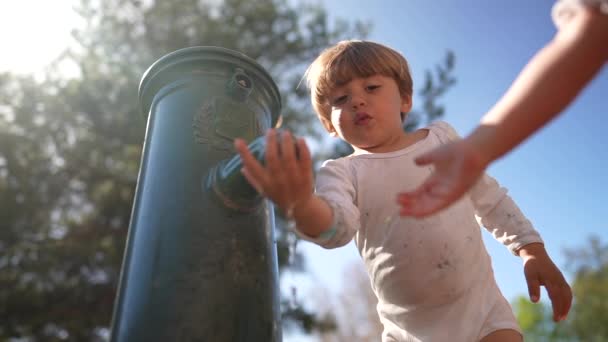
200	262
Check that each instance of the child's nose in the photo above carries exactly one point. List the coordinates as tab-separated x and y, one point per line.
357	101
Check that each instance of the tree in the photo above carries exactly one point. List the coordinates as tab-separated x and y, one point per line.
588	318
535	319
590	289
354	309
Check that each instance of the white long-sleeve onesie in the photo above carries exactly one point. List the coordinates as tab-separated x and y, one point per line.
433	276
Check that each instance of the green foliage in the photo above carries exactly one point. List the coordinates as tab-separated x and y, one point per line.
588	318
535	319
531	315
436	84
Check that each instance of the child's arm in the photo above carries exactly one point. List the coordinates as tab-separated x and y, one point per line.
288	181
545	87
502	217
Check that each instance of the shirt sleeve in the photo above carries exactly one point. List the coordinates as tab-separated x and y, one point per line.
335	185
496	211
564	10
499	214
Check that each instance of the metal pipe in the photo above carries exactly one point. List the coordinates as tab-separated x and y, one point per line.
196	269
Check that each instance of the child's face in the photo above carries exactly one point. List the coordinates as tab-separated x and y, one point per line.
366	113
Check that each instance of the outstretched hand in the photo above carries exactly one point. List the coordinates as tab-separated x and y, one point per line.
287	177
540	270
457	166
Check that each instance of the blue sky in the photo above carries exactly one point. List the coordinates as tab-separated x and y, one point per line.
555	177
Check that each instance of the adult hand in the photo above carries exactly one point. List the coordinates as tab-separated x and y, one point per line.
457	166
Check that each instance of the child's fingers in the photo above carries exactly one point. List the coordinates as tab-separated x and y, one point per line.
254	169
288	155
569	297
304	155
273	161
561	299
254	183
533	288
557	301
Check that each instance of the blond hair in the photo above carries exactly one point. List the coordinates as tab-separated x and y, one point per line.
349	59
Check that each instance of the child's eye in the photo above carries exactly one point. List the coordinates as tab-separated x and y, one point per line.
339	100
372	87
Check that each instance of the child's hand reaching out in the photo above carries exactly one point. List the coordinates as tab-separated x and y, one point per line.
287	177
540	270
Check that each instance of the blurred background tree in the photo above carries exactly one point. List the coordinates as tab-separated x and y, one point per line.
588	318
70	148
353	308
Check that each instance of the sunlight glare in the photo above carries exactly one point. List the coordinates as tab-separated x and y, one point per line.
34	32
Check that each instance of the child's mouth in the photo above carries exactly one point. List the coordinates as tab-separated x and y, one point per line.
362	119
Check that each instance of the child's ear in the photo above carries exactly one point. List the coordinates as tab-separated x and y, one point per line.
406	104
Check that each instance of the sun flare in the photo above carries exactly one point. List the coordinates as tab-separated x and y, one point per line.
34	32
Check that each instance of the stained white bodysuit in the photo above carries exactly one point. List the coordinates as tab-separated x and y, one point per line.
433	276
